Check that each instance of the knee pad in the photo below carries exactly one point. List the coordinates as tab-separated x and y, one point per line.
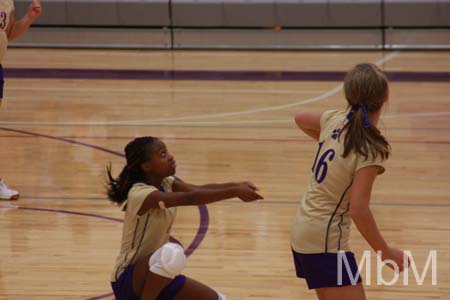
221	296
168	261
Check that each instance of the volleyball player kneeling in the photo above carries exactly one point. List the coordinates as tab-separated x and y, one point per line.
148	266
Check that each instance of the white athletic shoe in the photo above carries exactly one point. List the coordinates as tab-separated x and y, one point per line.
6	193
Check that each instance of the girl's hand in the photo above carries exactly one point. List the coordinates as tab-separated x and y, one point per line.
246	191
248	184
396	256
34	10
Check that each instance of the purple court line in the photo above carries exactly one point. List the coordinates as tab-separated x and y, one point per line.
204	214
61	139
202	230
62	211
49	73
172	239
101	296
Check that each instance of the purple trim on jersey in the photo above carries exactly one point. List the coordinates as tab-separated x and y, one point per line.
142	237
332	216
340	225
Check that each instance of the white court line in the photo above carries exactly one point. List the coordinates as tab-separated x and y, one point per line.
243	122
223	90
8	206
425	114
264	109
174	120
205	123
208	116
239	113
288	121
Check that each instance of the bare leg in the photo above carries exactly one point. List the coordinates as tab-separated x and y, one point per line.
194	290
147	285
320	295
348	292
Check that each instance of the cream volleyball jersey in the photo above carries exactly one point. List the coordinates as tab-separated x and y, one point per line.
322	223
143	235
6	9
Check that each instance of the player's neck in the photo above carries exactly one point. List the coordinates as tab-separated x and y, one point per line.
375	118
154	181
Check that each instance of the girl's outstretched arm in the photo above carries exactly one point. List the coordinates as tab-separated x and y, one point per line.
309	122
158	199
182	186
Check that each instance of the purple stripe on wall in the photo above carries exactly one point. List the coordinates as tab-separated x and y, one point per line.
212	75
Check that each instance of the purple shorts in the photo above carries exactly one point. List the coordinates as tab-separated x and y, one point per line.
123	287
321	270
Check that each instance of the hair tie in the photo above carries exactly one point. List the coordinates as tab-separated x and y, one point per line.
366	115
355	107
350	113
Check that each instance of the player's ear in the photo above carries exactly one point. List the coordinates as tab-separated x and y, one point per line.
146	167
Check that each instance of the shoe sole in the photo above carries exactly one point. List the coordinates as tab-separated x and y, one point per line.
12	198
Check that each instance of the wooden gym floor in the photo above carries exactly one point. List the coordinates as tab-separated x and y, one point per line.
58	133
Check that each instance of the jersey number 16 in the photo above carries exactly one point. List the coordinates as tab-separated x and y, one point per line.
320	168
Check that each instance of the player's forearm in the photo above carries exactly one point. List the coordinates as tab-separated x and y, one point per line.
19	28
217	186
205	196
197	197
368	228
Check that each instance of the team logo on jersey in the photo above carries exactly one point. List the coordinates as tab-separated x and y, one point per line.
336	133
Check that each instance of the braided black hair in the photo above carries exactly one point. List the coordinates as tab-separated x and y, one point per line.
136	153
